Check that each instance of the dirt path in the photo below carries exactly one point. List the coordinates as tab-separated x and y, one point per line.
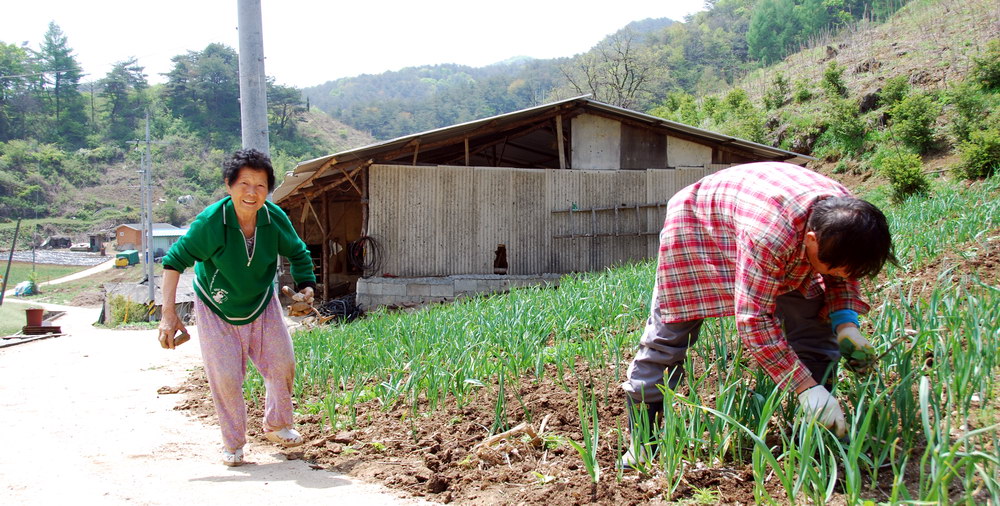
82	274
83	423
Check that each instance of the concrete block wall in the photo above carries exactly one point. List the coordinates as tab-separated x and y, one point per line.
379	291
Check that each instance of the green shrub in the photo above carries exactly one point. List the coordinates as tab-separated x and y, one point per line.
970	109
833	80
125	310
913	121
777	94
680	107
904	171
738	117
803	91
802	132
986	66
845	127
895	89
980	154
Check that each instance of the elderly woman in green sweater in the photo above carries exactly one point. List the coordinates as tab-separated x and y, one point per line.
233	246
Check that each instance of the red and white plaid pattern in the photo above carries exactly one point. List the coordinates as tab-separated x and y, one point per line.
733	242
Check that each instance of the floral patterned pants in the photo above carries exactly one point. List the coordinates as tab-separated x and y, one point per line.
225	349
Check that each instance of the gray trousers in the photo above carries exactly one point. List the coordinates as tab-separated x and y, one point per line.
664	345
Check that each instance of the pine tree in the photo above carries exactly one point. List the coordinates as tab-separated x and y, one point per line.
62	76
124	91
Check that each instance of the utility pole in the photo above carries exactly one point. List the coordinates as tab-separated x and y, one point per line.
147	214
253	86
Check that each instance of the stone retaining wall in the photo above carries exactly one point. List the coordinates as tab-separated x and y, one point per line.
379	291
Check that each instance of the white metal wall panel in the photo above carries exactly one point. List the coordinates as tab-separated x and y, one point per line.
684	152
565	189
596	143
455	224
660	186
438	221
527	251
493	213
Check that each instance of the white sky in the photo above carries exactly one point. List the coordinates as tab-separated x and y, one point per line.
310	42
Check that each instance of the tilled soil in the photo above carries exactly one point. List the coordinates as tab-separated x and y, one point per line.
439	455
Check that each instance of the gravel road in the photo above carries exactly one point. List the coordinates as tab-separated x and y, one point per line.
86	425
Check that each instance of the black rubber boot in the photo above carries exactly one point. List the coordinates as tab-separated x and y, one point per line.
653	412
644	421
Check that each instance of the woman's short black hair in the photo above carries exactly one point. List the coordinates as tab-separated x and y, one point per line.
852	234
250	158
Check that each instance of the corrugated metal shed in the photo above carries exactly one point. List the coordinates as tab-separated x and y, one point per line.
568	186
443	221
524	143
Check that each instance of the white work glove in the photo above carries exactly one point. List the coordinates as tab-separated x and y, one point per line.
817	403
857	352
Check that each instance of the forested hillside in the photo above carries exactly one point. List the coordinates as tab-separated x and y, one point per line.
69	150
637	67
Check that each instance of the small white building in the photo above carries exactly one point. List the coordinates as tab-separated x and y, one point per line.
164	238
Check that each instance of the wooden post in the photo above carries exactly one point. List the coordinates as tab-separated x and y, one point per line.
364	201
559	142
466	151
326	248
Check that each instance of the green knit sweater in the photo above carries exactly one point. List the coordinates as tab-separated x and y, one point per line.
237	283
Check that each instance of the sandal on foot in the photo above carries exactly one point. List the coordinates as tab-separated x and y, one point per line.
232	458
285	437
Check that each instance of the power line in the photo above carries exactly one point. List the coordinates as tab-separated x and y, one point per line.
38	74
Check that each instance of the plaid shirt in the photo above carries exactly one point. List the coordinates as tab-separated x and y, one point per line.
733	242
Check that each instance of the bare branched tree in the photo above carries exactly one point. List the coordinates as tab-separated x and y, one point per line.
618	71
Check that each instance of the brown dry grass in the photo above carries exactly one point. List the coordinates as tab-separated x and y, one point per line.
929	40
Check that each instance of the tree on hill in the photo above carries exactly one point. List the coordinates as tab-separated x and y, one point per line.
618	72
203	90
124	91
15	66
61	79
284	106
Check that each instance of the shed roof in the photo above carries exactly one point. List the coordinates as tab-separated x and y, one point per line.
156	226
175	232
445	146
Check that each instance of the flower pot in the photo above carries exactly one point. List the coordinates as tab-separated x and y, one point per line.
34	316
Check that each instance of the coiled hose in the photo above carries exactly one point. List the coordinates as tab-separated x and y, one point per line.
365	255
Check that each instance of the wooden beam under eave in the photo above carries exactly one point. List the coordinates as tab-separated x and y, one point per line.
322	229
323	186
353	173
540	121
416	151
466	151
559	142
322	168
350	179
